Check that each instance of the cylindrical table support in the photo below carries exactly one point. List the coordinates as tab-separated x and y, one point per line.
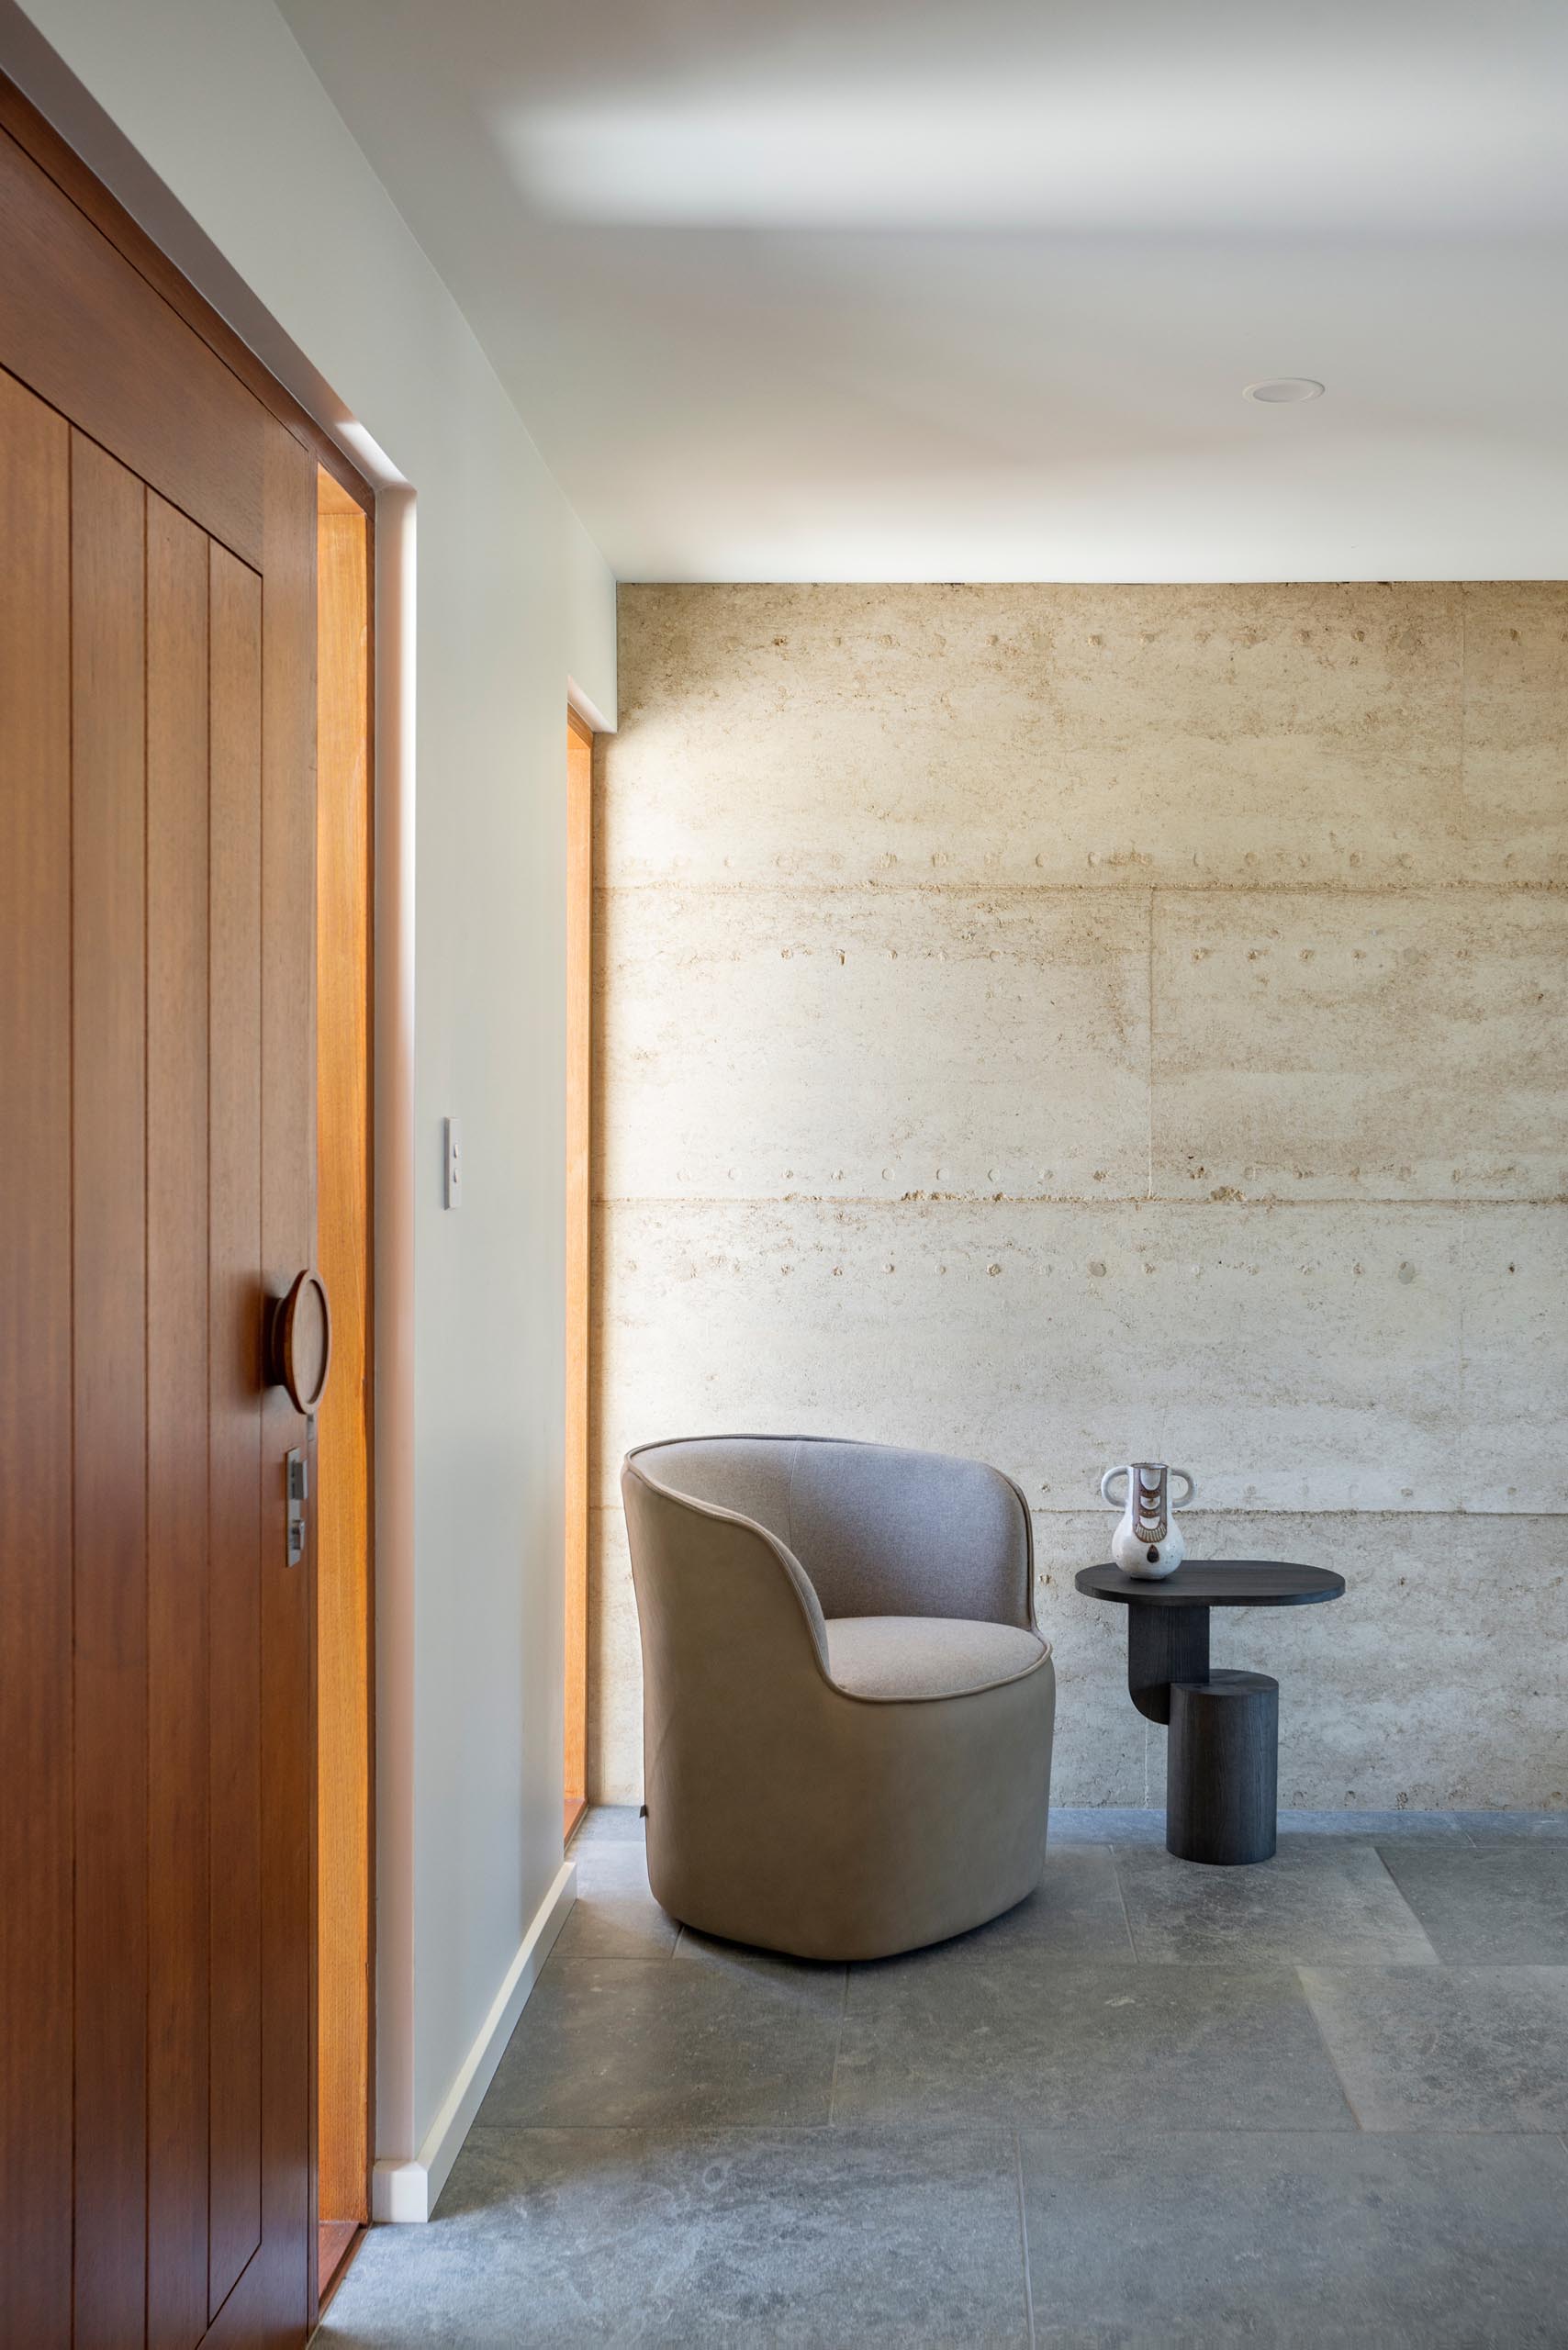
1222	1769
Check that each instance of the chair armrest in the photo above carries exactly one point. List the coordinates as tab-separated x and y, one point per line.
715	1577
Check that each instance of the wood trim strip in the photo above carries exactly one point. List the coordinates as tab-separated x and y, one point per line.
38	139
579	1141
345	1255
288	1228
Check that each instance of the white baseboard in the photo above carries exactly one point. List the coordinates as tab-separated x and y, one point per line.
401	2191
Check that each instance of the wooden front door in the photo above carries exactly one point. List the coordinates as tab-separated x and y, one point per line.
157	743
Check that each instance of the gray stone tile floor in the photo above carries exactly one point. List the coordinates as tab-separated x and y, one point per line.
1317	2103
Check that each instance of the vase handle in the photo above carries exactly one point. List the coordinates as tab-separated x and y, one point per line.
1105	1494
1186	1478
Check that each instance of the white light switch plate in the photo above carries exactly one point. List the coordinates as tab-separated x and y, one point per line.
453	1163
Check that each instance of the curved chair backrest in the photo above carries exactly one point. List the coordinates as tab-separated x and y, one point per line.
878	1530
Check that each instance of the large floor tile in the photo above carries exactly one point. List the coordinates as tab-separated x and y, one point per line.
1297	2241
1077	1913
1062	2043
615	1915
619	2043
612	1823
1505	1904
611	1864
813	2237
1113	1824
1316	1902
1455	2048
739	1963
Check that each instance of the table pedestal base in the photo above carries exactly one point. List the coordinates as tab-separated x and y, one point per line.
1164	1644
1222	1769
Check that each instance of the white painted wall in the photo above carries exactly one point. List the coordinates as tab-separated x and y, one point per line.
512	600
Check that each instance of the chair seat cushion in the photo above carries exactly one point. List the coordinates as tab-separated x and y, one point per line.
926	1656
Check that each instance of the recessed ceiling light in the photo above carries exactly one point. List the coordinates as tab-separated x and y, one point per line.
1283	391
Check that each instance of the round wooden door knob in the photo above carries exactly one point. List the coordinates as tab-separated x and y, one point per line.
299	1341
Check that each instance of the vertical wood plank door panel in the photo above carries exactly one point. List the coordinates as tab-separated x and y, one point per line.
237	1307
35	1837
157	1055
108	509
179	1890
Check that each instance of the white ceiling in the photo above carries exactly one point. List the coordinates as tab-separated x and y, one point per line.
910	290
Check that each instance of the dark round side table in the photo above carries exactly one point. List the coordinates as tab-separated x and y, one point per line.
1222	1764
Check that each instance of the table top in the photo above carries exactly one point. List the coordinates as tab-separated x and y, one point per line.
1215	1583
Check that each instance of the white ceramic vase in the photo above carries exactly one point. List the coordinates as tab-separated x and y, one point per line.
1147	1542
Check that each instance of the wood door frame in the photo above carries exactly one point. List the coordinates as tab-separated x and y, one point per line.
334	502
30	130
580	1241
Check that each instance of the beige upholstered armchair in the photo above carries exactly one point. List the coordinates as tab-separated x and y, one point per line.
847	1708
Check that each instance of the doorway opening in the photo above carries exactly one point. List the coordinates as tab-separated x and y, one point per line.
580	1150
344	853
